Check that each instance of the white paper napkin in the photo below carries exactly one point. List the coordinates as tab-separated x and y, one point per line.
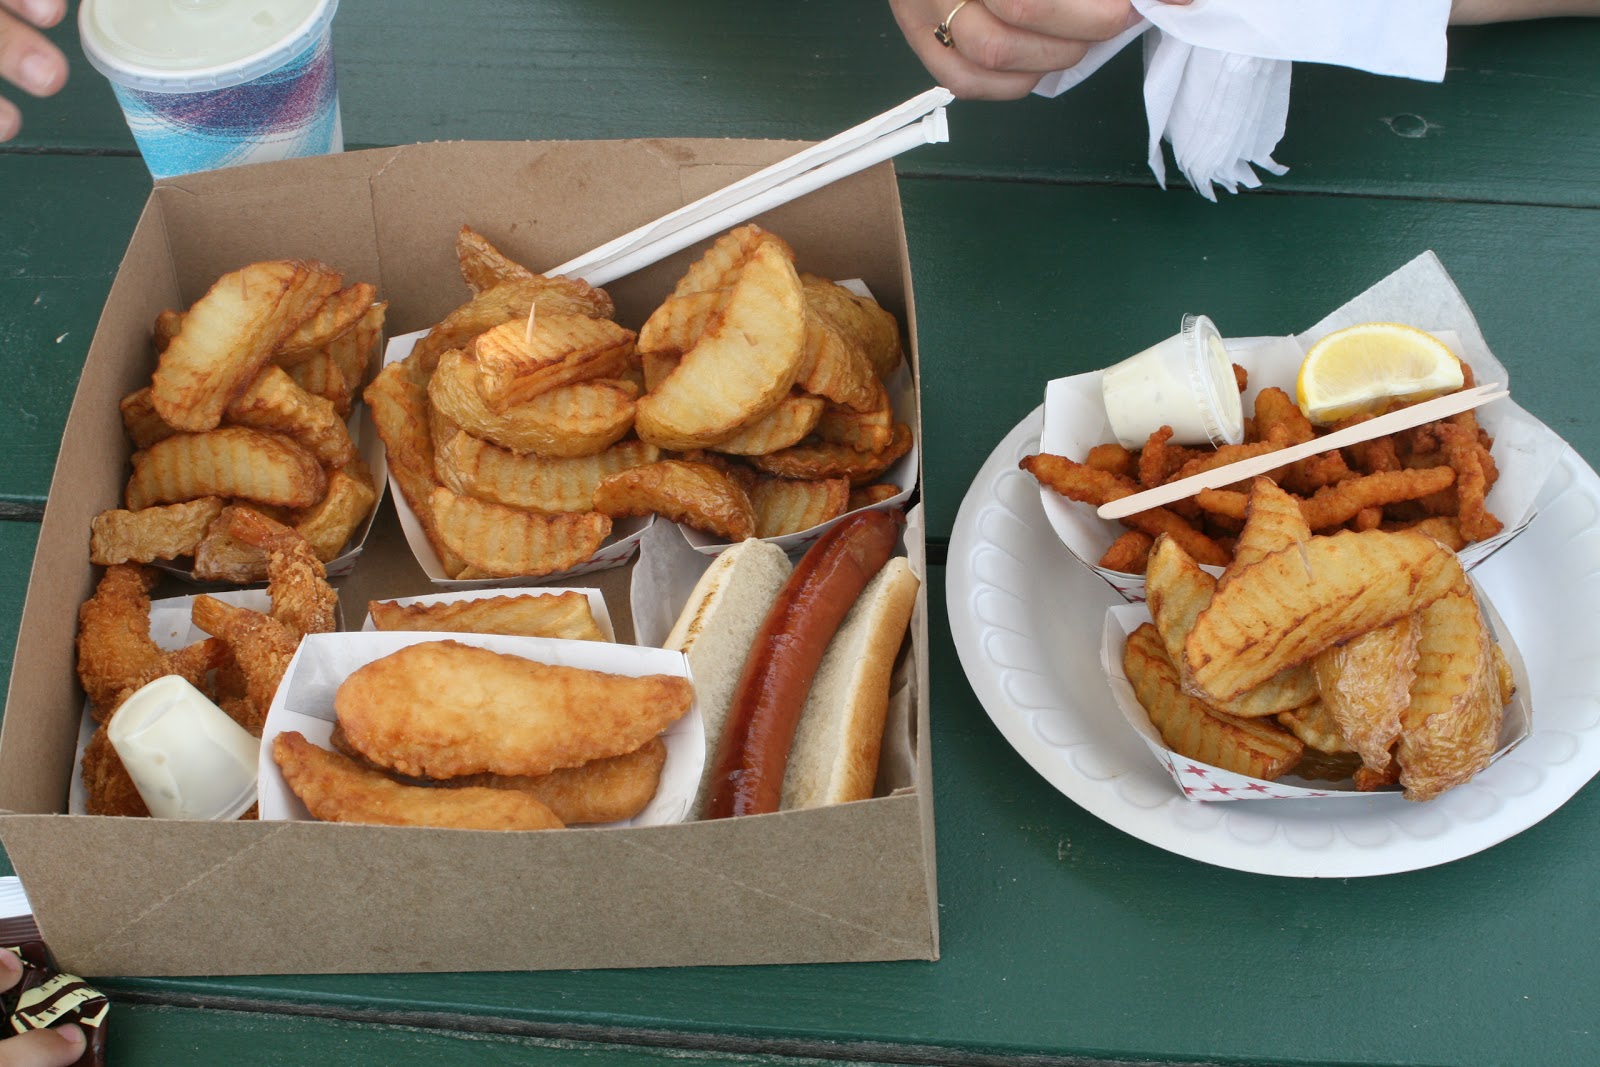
1217	71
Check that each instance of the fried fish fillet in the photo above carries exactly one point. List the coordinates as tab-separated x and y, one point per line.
439	709
1452	725
336	789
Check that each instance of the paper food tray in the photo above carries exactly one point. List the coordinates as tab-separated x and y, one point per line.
1203	782
1421	294
304	702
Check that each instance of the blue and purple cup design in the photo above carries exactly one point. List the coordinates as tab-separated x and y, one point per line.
288	112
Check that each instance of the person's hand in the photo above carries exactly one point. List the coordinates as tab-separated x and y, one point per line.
998	49
29	62
1468	12
57	1046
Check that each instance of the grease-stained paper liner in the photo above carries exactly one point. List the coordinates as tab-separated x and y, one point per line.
304	702
1421	294
617	549
171	628
1203	782
370	449
597	603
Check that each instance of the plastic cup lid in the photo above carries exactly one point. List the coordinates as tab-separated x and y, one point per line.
1222	414
101	50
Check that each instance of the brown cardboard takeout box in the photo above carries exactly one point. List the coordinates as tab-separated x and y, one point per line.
141	896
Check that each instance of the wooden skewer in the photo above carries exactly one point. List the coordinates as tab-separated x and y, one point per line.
1405	418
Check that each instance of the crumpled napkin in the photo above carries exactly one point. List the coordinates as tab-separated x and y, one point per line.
1216	84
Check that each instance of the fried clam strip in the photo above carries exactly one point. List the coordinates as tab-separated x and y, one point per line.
602	790
335	788
565	615
1335	505
695	494
1292	604
439	709
1129	553
1366	685
262	647
1227	454
1085	484
1472	465
115	652
1251	747
162	532
1177	591
1451	727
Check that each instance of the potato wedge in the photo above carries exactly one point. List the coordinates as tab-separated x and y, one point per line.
721	264
565	615
1451	727
398	399
500	542
783	426
337	315
476	468
785	506
860	320
232	461
695	494
514	368
823	460
160	532
139	418
483	266
579	419
274	403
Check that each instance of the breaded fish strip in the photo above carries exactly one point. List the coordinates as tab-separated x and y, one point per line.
439	709
336	789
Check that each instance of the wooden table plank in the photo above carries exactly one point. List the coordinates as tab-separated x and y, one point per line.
1064	936
1517	119
1016	284
66	222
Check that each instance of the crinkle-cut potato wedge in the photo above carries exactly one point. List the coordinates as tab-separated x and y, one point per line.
161	532
1273	520
579	419
864	431
720	266
675	326
510	300
695	494
141	421
655	366
565	615
439	709
859	319
274	403
867	495
514	368
1177	590
785	506
320	376
476	468
1451	727
336	316
821	459
496	541
483	266
233	461
328	524
1314	725
1284	609
742	365
398	400
1252	747
166	327
835	367
335	788
1366	685
785	425
229	334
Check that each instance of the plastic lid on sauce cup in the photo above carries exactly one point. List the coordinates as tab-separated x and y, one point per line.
1185	382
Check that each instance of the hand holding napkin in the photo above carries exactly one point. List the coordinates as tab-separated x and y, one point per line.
1217	71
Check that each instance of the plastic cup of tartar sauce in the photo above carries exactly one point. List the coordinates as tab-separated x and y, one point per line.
1185	382
187	758
217	83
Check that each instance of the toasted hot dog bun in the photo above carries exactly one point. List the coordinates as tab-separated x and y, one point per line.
834	757
715	630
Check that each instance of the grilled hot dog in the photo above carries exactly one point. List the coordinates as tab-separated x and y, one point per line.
750	761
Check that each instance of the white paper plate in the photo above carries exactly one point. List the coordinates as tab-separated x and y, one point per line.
1026	618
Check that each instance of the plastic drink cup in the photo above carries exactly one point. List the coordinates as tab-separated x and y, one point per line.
1185	382
187	758
217	83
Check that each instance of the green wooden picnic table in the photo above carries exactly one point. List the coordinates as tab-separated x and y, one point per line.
1040	247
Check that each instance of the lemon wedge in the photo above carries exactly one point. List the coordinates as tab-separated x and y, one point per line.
1360	369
